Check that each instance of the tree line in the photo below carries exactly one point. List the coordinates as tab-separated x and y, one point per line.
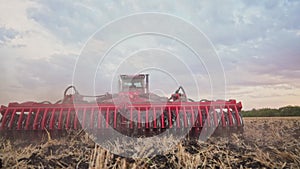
268	112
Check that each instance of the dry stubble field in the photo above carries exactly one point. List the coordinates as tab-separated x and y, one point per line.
265	143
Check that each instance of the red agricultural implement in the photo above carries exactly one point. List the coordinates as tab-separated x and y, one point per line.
133	110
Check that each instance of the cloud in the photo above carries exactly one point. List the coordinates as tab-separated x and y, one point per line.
54	71
7	34
70	21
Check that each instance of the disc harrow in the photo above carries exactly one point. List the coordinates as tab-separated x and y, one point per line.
129	111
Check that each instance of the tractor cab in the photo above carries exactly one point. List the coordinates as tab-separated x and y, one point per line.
134	83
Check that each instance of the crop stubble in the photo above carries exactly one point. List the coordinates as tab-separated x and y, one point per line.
265	143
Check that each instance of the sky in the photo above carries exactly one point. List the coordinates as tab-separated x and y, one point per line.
47	45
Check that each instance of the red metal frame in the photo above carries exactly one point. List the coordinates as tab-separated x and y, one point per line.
65	116
177	112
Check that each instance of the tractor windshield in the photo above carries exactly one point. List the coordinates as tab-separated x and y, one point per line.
132	84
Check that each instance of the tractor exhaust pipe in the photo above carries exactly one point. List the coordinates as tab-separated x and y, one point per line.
147	83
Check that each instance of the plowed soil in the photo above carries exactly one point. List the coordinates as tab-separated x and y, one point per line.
265	143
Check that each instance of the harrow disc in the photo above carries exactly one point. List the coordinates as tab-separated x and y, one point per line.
134	120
